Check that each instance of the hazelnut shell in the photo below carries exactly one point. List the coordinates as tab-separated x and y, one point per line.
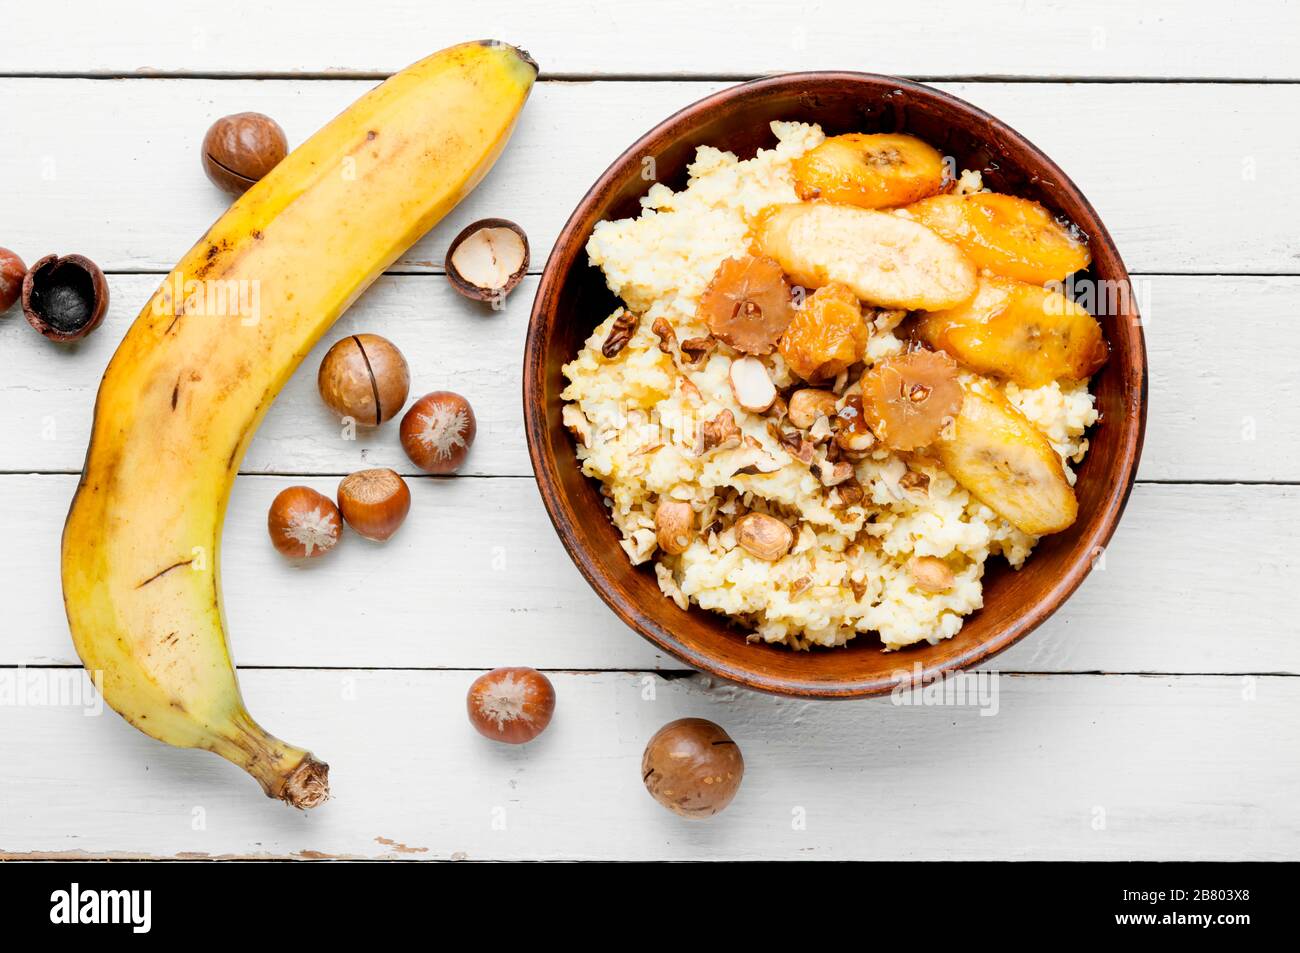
468	288
65	297
12	272
240	149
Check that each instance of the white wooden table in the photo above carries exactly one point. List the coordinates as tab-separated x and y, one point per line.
1155	716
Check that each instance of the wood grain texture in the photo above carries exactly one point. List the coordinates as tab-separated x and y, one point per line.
476	578
1070	767
1174	198
1206	420
1159	38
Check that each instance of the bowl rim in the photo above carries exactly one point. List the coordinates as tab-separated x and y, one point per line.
545	466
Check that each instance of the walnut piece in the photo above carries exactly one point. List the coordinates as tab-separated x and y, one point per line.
695	350
667	336
619	334
720	433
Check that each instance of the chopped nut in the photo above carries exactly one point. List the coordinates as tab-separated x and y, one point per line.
720	433
668	586
674	526
763	536
751	385
695	350
913	480
578	424
851	492
799	585
930	573
833	474
619	334
779	408
690	391
667	336
809	403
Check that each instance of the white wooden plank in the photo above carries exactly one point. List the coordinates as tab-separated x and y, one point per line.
111	168
1073	767
1206	420
930	37
1197	579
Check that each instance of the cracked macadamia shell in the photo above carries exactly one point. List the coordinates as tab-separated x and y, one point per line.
65	297
488	259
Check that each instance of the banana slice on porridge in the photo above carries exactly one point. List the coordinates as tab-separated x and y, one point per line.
1019	331
885	259
1007	235
869	171
1007	463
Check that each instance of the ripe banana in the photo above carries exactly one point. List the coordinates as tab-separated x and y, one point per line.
186	390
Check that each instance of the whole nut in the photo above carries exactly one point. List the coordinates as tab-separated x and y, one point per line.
240	149
930	573
12	271
364	377
65	297
764	536
674	526
302	523
437	432
512	705
692	767
374	502
809	403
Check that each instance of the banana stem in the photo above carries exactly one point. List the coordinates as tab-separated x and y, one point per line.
290	774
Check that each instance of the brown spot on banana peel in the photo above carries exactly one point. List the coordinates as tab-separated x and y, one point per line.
162	572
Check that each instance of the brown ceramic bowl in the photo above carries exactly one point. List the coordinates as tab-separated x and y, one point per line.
572	299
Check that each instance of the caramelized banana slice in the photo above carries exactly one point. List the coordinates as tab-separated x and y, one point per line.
884	259
1009	236
1005	462
1020	331
869	171
826	335
908	399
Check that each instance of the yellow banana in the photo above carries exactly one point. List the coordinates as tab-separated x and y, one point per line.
183	395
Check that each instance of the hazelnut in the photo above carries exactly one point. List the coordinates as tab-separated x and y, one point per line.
488	259
674	526
65	297
809	403
764	536
303	523
364	377
239	150
437	432
12	271
930	573
751	384
512	705
692	767
374	502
